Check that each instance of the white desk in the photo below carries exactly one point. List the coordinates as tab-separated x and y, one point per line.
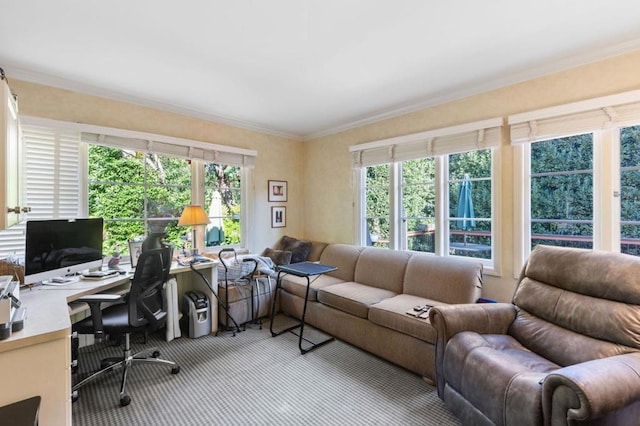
36	360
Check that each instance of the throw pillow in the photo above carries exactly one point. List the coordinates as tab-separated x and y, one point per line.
299	249
279	257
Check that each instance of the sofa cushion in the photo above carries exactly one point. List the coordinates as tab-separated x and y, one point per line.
447	279
279	257
497	375
298	285
392	313
382	268
342	256
353	298
299	249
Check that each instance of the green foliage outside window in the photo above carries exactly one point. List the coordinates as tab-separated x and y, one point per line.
630	190
141	193
562	192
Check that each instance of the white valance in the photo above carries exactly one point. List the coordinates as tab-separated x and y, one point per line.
149	142
576	118
447	140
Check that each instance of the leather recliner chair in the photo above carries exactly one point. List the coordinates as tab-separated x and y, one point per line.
566	351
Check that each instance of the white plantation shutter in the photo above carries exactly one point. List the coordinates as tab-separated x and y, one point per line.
52	185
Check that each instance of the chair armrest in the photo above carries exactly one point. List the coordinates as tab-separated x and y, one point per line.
483	318
99	298
591	389
95	302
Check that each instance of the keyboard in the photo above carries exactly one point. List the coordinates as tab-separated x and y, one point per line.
99	275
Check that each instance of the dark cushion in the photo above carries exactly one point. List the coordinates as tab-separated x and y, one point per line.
279	257
299	249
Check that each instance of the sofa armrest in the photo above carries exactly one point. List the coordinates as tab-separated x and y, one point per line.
483	318
592	389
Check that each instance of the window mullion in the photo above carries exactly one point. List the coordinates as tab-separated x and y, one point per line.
442	206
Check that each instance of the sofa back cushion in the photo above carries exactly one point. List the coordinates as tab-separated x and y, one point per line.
382	268
342	256
575	298
446	279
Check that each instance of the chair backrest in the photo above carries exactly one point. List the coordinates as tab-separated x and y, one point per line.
146	300
576	305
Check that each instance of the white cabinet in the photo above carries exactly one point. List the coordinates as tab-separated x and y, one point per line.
10	160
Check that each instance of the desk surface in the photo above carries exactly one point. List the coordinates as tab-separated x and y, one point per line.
48	310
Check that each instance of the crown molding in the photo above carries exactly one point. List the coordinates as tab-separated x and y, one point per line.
20	73
550	67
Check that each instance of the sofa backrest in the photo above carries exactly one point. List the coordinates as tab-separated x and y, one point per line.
446	279
382	268
574	298
342	256
317	248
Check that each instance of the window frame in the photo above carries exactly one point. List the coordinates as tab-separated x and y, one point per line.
603	118
397	239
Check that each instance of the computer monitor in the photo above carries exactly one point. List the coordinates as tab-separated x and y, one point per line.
58	248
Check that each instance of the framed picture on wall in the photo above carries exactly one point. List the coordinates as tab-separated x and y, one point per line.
277	190
135	248
278	217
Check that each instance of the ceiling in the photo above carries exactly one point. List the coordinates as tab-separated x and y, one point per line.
304	68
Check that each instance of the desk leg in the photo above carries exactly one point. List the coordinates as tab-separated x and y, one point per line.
273	310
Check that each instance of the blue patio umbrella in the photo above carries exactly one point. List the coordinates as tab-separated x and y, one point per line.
465	212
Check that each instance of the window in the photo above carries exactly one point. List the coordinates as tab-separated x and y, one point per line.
470	204
562	192
419	205
222	191
377	205
431	192
138	182
137	193
630	190
579	173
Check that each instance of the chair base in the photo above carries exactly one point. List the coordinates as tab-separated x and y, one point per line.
127	360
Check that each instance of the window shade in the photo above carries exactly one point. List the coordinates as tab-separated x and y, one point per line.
576	118
448	140
183	148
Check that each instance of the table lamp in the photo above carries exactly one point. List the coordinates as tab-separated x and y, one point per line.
193	216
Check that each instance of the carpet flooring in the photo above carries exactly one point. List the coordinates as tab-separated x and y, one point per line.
255	379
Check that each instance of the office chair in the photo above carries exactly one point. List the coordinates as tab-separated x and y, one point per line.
143	310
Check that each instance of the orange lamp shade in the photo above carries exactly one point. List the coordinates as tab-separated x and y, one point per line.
193	215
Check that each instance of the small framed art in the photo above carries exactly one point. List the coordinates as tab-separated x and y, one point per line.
135	248
278	217
277	190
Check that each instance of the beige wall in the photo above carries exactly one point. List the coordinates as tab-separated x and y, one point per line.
277	158
328	190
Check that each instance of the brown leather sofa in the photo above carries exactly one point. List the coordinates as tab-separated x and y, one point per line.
364	302
564	352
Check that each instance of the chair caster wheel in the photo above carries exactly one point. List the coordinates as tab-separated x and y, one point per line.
155	354
125	400
175	370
